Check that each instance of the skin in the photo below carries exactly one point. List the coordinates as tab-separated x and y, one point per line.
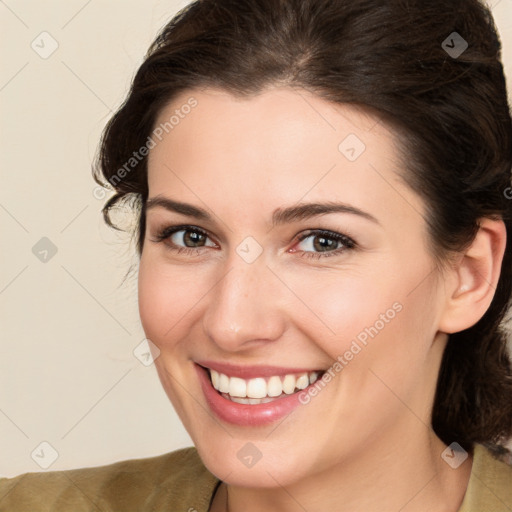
364	442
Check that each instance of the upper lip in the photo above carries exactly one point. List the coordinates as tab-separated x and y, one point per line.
252	371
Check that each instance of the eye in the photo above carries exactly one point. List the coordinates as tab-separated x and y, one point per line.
315	243
322	243
186	239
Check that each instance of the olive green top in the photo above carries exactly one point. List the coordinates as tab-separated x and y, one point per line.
178	481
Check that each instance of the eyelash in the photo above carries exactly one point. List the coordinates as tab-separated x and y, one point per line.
347	242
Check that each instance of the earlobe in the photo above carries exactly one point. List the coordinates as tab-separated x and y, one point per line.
476	275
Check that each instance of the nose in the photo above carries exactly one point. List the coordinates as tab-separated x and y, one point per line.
246	306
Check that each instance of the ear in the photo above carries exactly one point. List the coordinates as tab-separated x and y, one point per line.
473	279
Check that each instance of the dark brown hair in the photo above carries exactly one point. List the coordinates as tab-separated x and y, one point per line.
405	60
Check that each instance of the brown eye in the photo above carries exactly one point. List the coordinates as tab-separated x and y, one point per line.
191	238
181	238
314	243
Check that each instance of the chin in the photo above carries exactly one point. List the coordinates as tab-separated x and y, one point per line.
252	464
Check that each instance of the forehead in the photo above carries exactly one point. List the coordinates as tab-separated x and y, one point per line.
281	146
279	119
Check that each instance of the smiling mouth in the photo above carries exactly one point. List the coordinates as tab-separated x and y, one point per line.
261	390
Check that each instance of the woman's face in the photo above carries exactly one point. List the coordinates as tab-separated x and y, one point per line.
280	240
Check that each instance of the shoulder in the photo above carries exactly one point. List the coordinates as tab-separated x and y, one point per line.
175	479
490	483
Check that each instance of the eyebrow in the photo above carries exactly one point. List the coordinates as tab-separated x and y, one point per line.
279	216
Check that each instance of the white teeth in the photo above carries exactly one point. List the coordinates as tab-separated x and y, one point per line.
238	387
289	384
223	383
259	389
251	401
274	386
302	381
240	400
215	378
256	388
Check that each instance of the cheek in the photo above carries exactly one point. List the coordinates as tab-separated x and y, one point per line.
383	334
345	305
150	298
165	297
371	320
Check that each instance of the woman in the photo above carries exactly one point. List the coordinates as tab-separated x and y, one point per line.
322	191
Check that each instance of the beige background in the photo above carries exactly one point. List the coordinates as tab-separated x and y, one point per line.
68	374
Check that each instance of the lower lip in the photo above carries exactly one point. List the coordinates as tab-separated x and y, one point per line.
244	414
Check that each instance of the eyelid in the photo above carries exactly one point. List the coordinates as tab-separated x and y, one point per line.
166	232
348	242
328	233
